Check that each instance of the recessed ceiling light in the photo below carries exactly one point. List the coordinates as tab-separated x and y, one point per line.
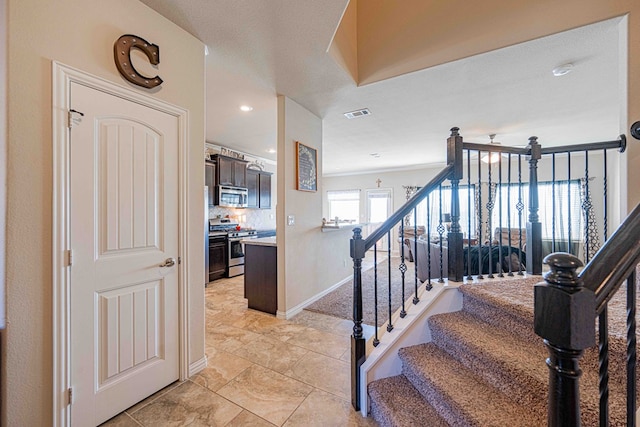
246	108
357	113
271	150
562	70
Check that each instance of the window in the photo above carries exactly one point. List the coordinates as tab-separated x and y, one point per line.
467	210
559	210
344	204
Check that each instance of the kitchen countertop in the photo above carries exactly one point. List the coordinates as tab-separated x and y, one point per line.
263	241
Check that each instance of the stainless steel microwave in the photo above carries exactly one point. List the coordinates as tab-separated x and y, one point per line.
231	197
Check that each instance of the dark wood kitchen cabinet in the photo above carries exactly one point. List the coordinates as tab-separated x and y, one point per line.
210	181
259	186
261	277
217	257
231	172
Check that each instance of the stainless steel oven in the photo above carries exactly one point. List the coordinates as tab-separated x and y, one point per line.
235	251
226	252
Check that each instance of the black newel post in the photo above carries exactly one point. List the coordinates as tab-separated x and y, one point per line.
454	238
358	355
534	227
564	316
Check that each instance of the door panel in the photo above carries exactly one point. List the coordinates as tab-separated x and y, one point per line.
123	225
127	195
129	330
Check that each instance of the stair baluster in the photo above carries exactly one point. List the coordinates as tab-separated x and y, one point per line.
509	211
520	208
415	258
469	277
603	366
403	269
499	192
631	350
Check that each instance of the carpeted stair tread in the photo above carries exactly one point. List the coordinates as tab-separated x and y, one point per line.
506	303
516	366
458	394
510	363
396	403
486	366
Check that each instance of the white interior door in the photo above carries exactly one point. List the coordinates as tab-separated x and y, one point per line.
123	225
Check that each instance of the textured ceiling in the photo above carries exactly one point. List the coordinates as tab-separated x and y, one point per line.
262	48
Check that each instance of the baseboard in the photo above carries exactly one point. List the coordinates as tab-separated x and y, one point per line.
197	366
288	314
298	308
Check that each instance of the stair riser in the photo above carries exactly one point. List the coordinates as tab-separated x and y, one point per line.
515	381
446	408
496	316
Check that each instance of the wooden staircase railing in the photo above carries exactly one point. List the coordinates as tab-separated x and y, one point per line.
457	152
566	308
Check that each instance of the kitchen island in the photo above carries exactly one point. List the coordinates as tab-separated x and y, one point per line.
261	274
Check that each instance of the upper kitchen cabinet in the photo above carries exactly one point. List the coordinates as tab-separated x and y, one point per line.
259	186
231	172
210	181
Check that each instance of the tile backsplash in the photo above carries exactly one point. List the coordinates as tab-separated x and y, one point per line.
260	219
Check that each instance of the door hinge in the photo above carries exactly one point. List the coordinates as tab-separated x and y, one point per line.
70	396
179	260
69	257
70	118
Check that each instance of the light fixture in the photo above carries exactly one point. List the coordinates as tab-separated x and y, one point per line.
271	151
563	69
492	157
246	108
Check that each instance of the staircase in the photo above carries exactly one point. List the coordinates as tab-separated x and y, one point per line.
486	367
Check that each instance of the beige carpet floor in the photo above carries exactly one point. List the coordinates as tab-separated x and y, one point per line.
486	367
339	303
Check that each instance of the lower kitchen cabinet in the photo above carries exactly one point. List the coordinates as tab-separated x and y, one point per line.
217	257
261	277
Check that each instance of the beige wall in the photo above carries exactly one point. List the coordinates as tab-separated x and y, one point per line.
79	33
399	37
309	261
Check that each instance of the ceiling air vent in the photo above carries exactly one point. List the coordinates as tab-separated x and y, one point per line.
357	113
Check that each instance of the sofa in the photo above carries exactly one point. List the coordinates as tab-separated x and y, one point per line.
430	264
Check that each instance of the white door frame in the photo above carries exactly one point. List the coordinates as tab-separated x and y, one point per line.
62	77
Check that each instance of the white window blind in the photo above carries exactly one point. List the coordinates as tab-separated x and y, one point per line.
564	195
344	204
465	194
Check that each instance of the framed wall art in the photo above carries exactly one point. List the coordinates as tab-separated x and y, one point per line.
306	168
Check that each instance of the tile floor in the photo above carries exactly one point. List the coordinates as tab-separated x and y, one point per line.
262	371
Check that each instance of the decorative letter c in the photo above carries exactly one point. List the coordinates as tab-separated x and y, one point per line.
122	56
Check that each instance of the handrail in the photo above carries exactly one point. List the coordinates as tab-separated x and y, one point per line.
620	144
615	261
410	204
495	148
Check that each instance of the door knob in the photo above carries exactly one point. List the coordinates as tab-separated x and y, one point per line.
169	262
